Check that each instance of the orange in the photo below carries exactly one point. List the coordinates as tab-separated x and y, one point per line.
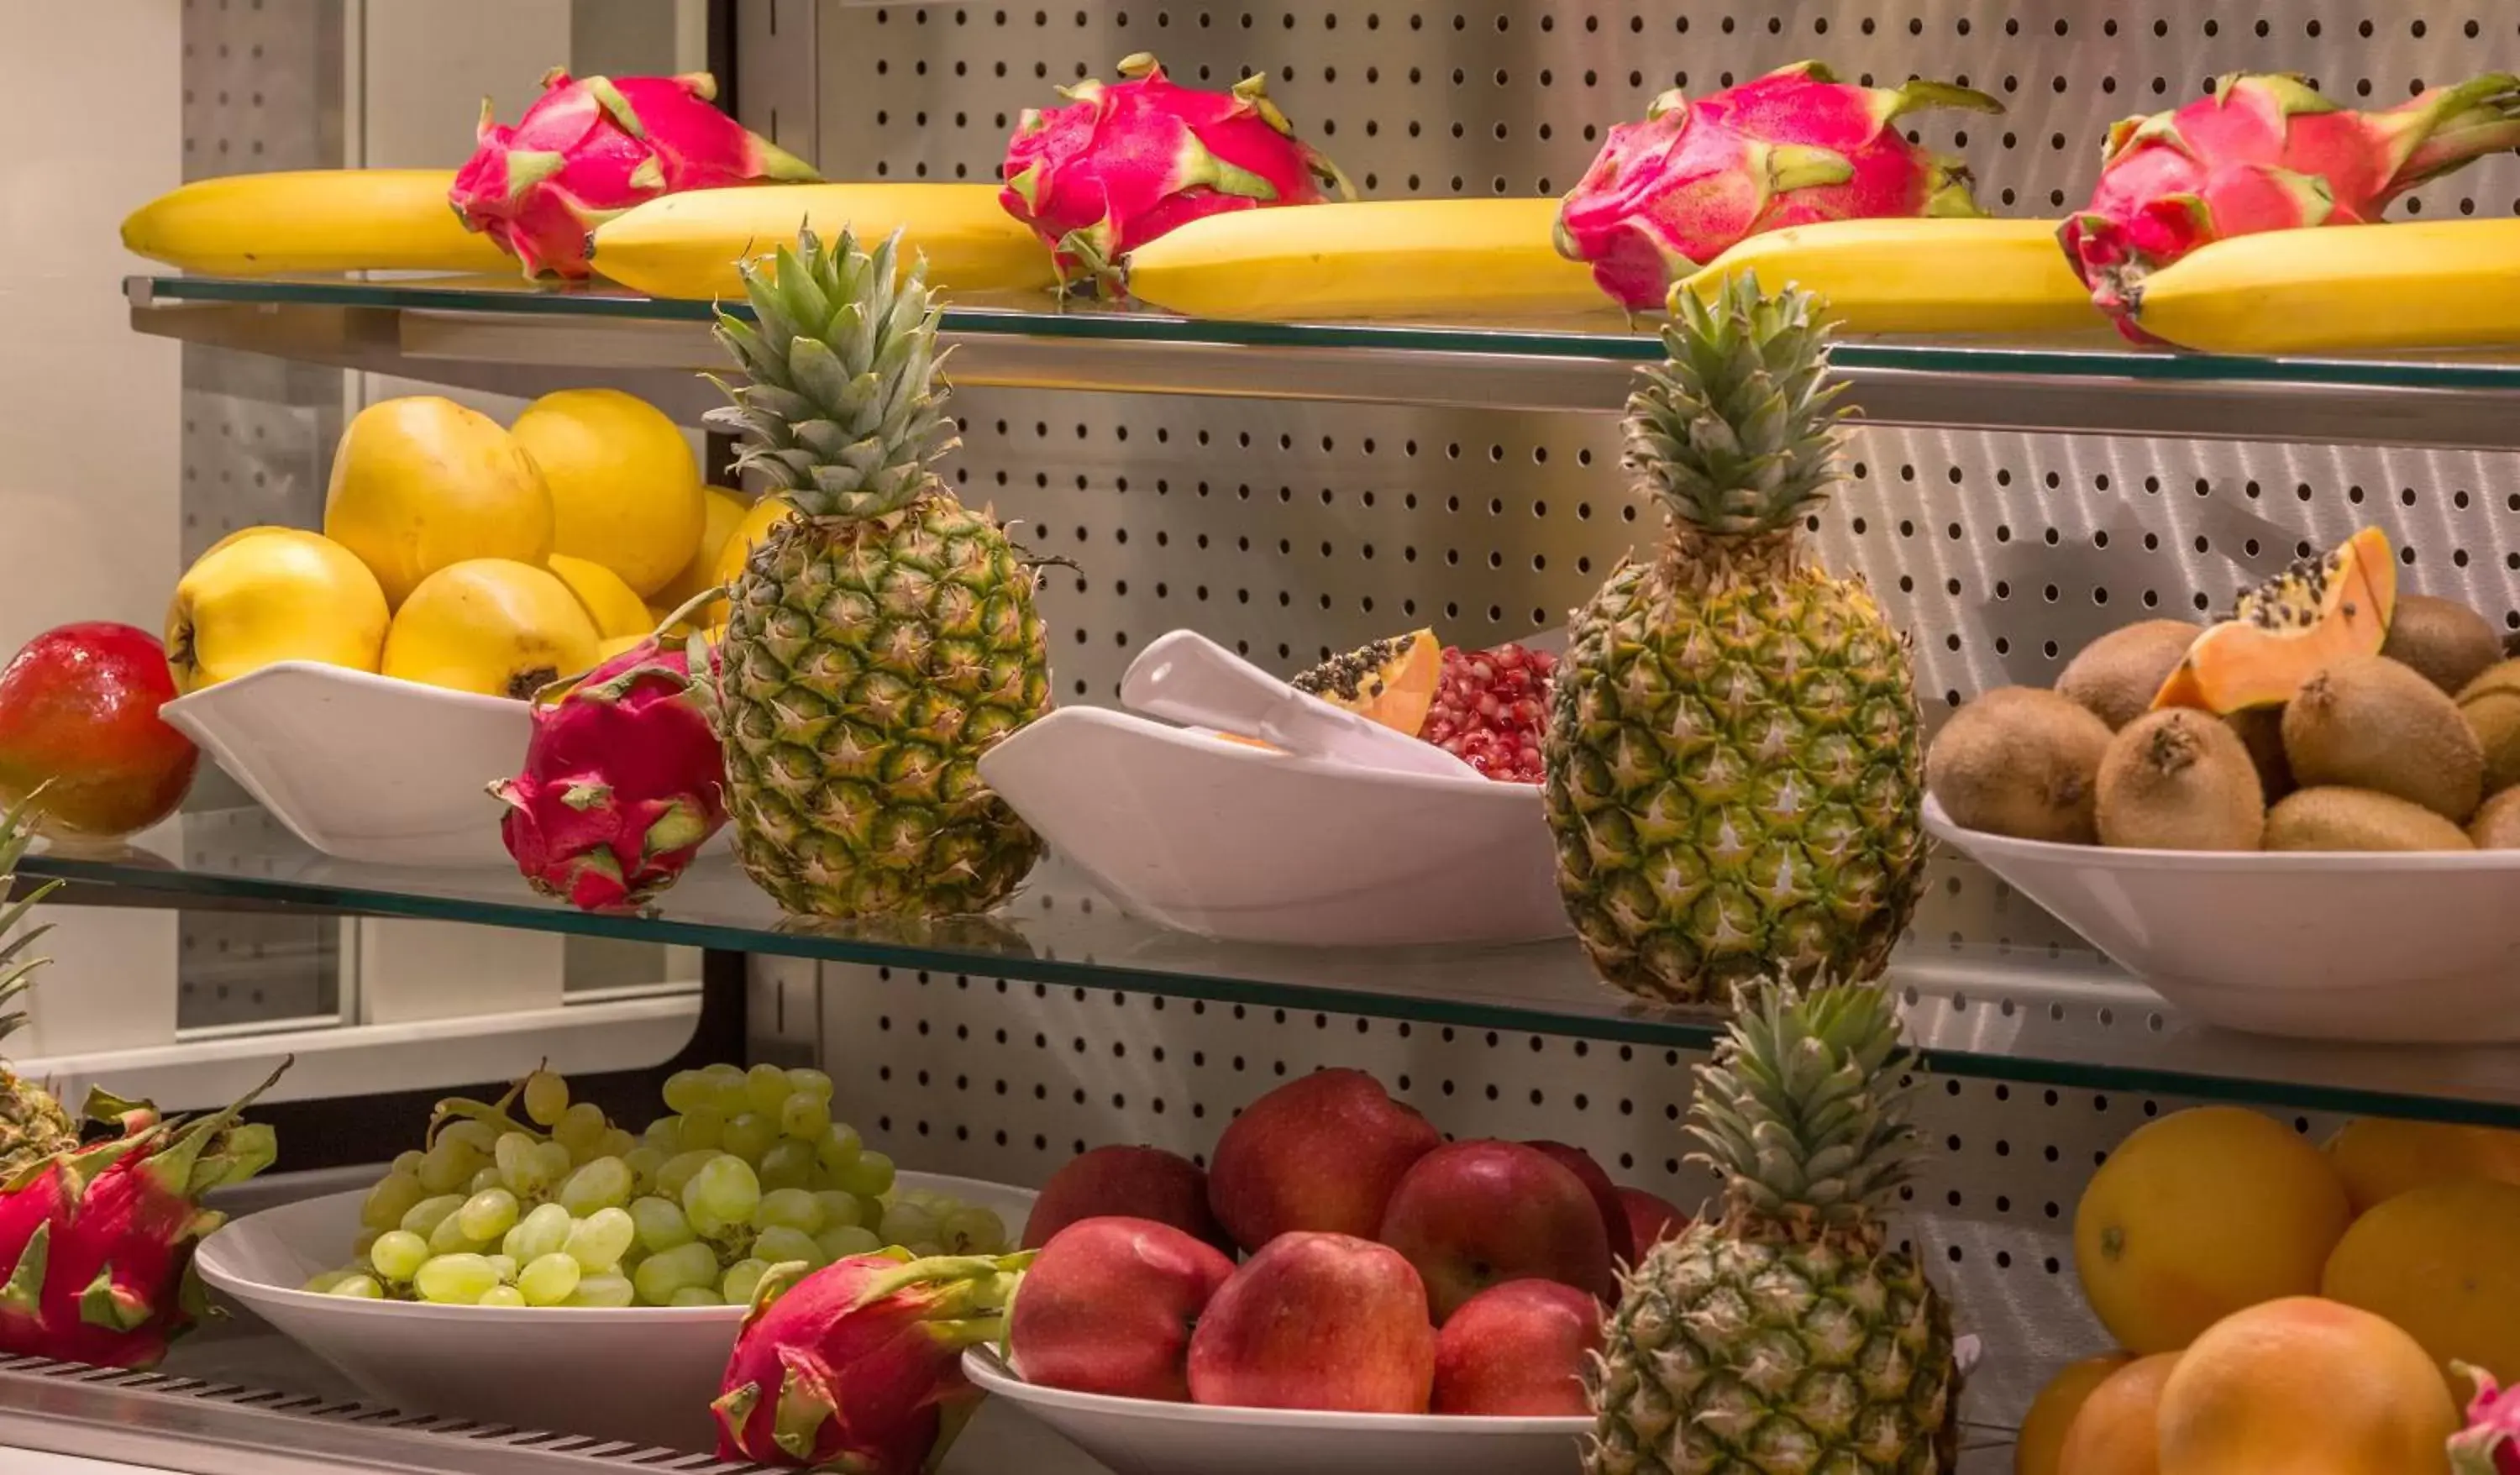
2381	1157
2198	1215
2442	1261
2041	1440
2303	1386
2117	1433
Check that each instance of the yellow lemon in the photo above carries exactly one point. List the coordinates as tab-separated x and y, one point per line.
618	645
2381	1157
625	491
2117	1432
2198	1215
764	515
493	626
2041	1440
2303	1386
422	482
272	594
726	513
2442	1261
617	612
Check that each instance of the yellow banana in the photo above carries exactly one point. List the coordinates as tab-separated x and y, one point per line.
1370	259
1959	276
311	220
687	246
2446	284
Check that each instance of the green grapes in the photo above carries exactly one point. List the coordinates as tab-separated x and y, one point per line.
662	1225
397	1254
722	1194
455	1279
546	1097
487	1214
549	1279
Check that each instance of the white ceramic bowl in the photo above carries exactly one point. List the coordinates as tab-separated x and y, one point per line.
641	1372
2399	949
361	765
1227	839
1145	1437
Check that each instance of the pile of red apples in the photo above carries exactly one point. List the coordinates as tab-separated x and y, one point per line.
1387	1271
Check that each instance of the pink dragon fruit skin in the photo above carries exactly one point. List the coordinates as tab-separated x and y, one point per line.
857	1367
589	148
623	783
96	1243
2267	153
2490	1445
1671	194
1127	161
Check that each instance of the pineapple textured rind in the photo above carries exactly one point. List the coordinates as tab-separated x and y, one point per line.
33	1126
1736	758
882	640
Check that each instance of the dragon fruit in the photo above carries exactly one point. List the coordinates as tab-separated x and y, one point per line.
589	148
1797	146
2267	153
1127	161
2490	1445
623	783
858	1366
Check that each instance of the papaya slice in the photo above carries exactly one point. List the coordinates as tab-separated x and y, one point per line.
1390	681
2320	610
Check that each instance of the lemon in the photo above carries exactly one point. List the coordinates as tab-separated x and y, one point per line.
2383	1157
2443	1261
420	482
272	594
493	626
726	513
625	491
2199	1215
763	515
617	612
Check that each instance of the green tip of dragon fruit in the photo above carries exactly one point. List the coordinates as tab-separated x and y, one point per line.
2490	1445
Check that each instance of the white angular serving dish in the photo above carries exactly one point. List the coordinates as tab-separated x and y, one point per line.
644	1373
1146	1437
364	767
1220	837
2398	949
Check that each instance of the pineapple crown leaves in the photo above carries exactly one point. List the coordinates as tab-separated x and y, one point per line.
17	972
1803	1109
1736	429
842	409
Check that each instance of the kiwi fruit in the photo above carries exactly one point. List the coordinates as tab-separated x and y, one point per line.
2019	761
2117	675
2369	722
2358	819
2446	642
2180	780
2497	825
2491	703
2261	730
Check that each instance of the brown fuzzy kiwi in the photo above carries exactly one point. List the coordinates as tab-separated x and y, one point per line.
2358	819
2180	780
2368	722
2497	825
2261	730
2116	675
2491	703
2019	761
2446	642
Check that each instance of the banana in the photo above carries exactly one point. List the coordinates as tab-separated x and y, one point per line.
1959	276
2447	284
311	220
687	246
1373	259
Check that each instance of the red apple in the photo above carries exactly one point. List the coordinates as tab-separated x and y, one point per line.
1650	1220
1471	1215
1108	1308
1519	1347
1606	1196
1316	1322
1319	1153
1137	1182
78	709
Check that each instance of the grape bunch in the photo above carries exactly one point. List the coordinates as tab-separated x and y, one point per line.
566	1209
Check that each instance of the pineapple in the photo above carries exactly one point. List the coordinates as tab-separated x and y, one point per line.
1733	751
884	638
32	1124
1786	1335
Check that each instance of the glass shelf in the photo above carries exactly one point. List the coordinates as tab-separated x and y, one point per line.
2058	1019
467	329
